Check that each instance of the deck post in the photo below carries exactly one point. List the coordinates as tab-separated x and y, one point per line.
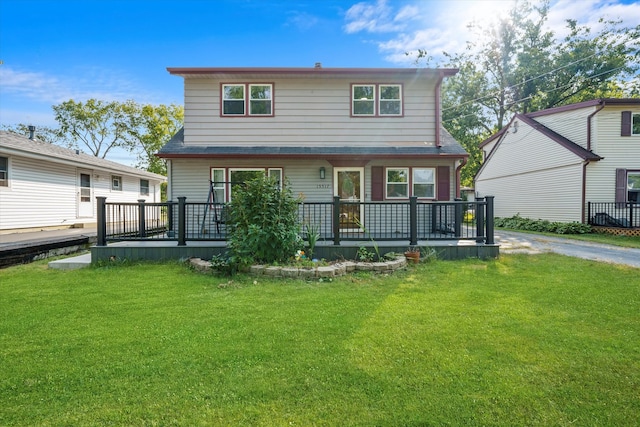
336	220
479	213
142	226
413	221
458	216
170	232
588	213
490	236
182	221
102	221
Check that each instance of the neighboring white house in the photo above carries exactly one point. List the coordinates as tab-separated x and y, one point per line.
549	164
45	185
361	134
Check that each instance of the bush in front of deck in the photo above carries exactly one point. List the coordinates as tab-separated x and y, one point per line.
263	222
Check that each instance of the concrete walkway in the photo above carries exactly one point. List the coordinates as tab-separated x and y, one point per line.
514	242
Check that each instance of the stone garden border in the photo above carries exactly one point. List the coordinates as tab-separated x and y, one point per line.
320	272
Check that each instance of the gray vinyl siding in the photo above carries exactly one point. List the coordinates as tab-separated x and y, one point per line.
44	194
307	112
191	176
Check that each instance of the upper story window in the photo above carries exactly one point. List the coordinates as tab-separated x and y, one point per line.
251	99
4	171
630	124
369	100
144	187
116	183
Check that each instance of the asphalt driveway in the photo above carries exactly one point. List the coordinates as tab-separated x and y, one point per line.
514	242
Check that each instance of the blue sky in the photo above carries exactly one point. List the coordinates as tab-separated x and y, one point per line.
56	50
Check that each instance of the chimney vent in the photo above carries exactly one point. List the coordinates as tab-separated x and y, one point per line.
32	131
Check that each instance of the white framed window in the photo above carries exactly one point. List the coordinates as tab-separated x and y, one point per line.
397	183
238	176
144	187
116	183
233	100
424	183
390	103
4	171
218	184
363	100
376	100
260	100
635	124
276	173
241	99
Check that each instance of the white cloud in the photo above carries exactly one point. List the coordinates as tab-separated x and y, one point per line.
442	26
375	18
302	20
96	83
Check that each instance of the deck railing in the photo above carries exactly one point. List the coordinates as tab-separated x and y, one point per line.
335	221
616	215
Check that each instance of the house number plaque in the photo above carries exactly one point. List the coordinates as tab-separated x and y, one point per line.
324	186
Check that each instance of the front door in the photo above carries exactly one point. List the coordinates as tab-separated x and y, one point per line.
348	184
85	193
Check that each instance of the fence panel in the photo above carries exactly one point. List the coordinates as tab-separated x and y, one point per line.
616	215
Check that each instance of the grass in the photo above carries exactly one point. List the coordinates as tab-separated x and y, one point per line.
523	340
609	239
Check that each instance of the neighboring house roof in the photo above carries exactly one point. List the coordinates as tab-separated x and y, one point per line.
12	143
591	103
449	147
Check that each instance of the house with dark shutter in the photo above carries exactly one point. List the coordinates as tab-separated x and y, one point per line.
575	163
359	134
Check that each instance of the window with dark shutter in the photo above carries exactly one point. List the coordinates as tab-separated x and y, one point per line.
625	129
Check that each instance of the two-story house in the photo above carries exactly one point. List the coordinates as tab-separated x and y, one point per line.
357	133
550	164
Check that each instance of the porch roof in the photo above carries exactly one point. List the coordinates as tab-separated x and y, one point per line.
449	147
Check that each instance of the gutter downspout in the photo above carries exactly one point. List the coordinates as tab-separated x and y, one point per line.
584	166
438	108
460	166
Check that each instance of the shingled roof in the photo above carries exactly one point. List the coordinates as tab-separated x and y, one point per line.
12	143
449	147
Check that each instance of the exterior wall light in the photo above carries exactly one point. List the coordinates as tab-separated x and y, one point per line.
322	173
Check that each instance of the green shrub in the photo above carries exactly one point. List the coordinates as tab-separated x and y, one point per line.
263	223
516	222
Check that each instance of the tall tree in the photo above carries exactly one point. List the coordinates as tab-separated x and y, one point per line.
149	128
95	125
520	67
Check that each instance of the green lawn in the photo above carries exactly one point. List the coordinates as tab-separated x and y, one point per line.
523	340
